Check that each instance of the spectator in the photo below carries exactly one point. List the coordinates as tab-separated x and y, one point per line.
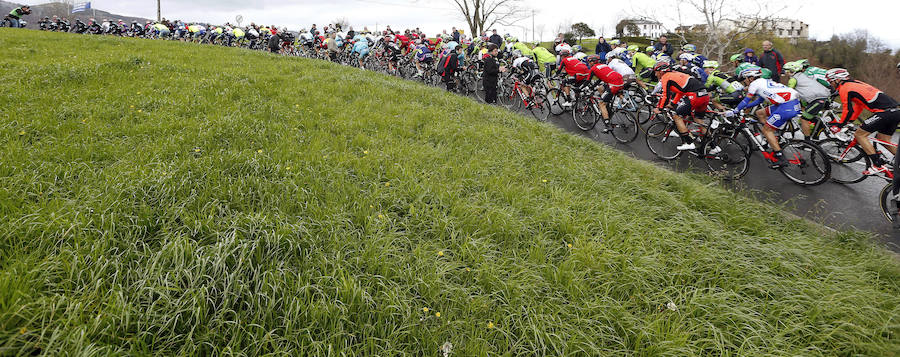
663	46
750	56
496	39
351	32
772	60
455	35
449	65
491	73
602	48
15	16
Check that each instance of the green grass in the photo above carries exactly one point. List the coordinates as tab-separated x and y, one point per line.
164	198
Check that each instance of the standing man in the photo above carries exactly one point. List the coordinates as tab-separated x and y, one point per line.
16	15
602	48
455	35
663	46
491	73
772	60
496	39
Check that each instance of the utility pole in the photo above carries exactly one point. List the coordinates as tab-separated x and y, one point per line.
532	25
158	11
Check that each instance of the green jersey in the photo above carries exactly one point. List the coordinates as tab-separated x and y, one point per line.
640	61
523	48
717	80
766	73
818	74
543	55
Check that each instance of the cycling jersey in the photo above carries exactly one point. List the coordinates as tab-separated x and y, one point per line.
766	73
818	74
361	47
716	80
641	61
773	92
523	48
621	67
694	71
543	55
610	77
527	68
676	85
422	53
809	88
858	96
574	67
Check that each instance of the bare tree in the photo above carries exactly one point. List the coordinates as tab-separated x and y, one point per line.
716	26
481	15
342	23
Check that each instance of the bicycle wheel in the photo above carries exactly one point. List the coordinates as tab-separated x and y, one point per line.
805	163
886	202
846	163
540	107
663	140
554	96
624	126
583	114
725	158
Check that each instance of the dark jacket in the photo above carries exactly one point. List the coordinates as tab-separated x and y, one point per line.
496	39
449	64
751	59
491	72
773	61
667	48
602	47
456	36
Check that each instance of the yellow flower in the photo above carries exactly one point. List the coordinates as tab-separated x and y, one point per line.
569	245
468	270
132	107
22	133
22	330
140	110
370	206
425	309
138	92
437	314
259	151
490	324
197	150
289	168
297	105
387	184
366	152
380	216
441	253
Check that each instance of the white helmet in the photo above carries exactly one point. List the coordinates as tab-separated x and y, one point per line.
563	46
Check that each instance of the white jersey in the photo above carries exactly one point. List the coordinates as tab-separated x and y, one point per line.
620	67
775	93
518	62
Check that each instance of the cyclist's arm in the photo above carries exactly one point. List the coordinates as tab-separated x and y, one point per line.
749	102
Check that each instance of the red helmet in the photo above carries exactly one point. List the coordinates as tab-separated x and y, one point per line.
662	67
594	59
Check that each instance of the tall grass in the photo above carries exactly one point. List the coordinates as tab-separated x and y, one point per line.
171	199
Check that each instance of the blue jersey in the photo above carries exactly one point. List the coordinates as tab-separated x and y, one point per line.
423	53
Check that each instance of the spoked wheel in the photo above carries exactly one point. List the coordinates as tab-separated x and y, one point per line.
554	98
540	107
847	164
886	201
805	163
583	114
663	140
725	158
624	126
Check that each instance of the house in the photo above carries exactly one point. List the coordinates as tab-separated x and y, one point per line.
646	28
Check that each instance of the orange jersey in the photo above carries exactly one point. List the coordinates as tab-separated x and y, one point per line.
858	96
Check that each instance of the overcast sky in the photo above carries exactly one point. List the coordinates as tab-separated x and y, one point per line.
824	17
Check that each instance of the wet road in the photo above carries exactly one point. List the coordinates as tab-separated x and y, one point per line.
838	206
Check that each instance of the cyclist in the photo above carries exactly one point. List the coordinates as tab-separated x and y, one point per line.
641	62
688	66
814	72
15	16
686	93
577	72
730	92
609	82
813	95
544	58
785	106
423	57
361	47
521	47
449	64
615	59
857	96
526	70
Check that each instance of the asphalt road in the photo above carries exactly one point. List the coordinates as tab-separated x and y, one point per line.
838	206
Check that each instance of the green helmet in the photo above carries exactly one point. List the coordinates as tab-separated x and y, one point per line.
736	57
710	64
614	42
650	49
633	48
794	66
804	63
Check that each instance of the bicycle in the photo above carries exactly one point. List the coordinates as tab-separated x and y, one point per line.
800	158
721	153
851	158
622	123
535	102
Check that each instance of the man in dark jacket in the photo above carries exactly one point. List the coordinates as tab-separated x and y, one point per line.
449	64
772	60
496	39
455	35
663	46
491	74
602	48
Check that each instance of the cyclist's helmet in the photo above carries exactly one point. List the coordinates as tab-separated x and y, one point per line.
512	39
898	66
735	57
751	72
516	54
689	48
592	59
698	61
536	43
633	48
710	64
650	49
794	66
563	47
614	42
577	48
565	52
664	59
686	57
837	74
662	67
804	63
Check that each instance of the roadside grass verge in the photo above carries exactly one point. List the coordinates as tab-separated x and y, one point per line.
163	198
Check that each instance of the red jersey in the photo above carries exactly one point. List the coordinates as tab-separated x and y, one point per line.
607	74
575	67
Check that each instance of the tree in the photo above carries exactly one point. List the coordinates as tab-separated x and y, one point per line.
632	29
625	25
342	23
581	30
481	15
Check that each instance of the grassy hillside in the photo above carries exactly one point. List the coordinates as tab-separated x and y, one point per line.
164	198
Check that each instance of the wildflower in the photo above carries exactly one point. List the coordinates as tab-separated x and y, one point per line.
425	309
468	270
140	110
365	152
380	215
490	325
437	314
22	133
288	168
387	184
259	151
138	93
671	306
196	149
370	206
447	348
544	181
132	107
22	330
569	245
441	253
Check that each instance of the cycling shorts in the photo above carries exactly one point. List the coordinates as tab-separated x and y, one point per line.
696	103
780	114
884	122
813	108
576	80
610	91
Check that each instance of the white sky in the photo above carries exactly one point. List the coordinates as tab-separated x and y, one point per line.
824	17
